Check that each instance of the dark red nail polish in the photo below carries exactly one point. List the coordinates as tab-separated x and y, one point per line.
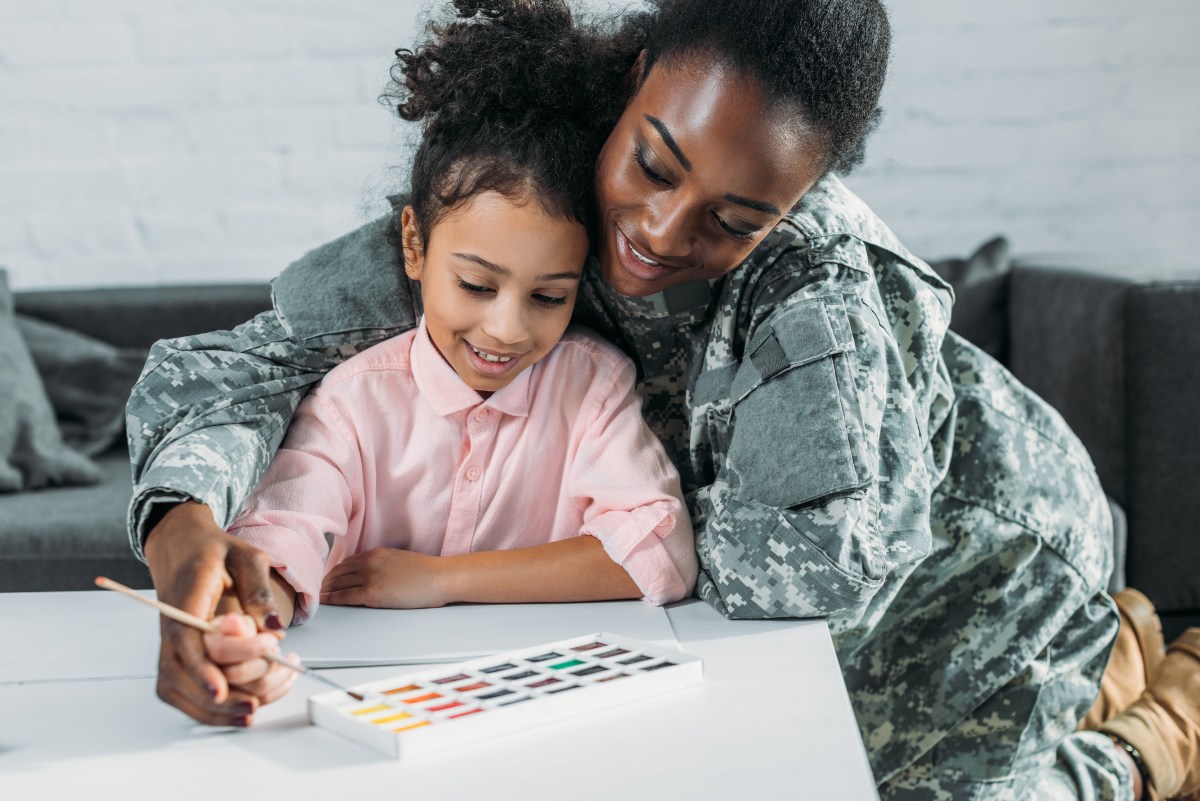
273	622
241	722
243	708
212	688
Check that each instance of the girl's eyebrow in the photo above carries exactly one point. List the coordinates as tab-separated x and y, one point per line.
496	268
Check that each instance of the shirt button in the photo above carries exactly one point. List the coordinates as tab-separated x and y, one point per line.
472	474
481	415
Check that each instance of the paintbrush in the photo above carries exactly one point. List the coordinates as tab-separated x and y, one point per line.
203	625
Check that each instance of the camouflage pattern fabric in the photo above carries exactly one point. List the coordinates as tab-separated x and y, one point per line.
843	457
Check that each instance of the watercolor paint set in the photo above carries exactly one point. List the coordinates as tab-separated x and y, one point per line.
450	705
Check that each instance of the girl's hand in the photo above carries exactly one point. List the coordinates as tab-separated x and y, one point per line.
386	578
240	651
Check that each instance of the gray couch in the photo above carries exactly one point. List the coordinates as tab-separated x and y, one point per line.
61	538
1119	357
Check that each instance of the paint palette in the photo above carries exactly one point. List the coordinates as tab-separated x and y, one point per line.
469	701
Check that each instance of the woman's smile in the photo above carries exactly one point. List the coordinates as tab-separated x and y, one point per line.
636	262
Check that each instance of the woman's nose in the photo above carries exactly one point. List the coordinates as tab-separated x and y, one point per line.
666	228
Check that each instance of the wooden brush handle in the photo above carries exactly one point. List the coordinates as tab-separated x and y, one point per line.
165	609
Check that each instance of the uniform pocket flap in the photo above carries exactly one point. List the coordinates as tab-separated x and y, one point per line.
806	331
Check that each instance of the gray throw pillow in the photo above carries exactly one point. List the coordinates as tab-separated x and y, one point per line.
32	452
980	284
86	380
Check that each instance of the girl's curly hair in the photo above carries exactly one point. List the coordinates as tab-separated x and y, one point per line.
514	97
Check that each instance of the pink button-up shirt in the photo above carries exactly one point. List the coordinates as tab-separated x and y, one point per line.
393	449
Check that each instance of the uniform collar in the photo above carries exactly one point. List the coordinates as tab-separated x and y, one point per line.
679	303
448	394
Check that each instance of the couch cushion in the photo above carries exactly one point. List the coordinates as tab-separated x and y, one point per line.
32	452
86	380
1162	341
59	539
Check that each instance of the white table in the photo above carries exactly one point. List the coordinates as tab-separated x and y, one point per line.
771	720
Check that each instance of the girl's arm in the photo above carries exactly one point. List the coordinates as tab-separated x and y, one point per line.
313	489
575	569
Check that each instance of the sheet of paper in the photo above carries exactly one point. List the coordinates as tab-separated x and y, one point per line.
69	636
341	636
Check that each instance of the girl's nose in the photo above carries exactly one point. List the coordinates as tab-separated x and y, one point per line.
506	324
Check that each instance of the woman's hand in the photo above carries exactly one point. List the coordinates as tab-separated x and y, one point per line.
386	578
194	563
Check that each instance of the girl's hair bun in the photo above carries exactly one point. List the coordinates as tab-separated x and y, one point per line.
513	96
499	59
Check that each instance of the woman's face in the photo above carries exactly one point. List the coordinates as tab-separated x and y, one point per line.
695	174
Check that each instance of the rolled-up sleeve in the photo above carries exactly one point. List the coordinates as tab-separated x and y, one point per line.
631	498
313	487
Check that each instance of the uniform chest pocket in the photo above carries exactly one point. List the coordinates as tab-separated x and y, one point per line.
796	433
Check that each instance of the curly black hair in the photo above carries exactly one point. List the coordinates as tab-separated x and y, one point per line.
508	95
823	61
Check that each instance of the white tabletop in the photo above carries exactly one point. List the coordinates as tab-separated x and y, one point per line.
771	720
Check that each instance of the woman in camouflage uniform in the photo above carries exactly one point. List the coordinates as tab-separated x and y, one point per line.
844	455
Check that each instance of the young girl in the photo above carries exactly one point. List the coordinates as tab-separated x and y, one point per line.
463	460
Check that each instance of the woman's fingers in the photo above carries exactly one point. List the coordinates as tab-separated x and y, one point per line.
196	696
250	570
183	663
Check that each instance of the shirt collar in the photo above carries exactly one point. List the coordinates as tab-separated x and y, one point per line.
448	394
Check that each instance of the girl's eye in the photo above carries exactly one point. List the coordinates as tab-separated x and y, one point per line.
550	300
474	289
639	155
736	233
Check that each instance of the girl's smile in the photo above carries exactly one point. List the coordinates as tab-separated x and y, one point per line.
498	282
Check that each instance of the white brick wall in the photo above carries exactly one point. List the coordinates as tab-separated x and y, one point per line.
162	141
159	141
1071	126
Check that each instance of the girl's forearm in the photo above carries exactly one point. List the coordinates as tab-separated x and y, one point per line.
576	569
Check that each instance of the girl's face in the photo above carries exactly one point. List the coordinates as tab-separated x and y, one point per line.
695	174
498	282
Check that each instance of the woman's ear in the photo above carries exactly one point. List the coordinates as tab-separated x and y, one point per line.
635	76
414	250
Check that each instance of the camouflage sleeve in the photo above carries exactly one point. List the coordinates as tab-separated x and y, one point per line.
823	488
209	412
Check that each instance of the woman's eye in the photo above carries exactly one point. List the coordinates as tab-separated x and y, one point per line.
736	233
550	300
639	155
474	289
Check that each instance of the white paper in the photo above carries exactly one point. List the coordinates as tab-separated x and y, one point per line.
344	636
